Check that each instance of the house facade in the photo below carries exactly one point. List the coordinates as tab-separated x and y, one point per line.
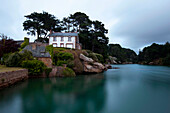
67	40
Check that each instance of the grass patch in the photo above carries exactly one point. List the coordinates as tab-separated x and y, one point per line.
7	69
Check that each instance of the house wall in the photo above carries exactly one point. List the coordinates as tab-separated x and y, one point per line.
46	61
64	43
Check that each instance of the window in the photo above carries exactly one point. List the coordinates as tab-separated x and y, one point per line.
54	45
55	39
62	45
42	53
62	38
69	39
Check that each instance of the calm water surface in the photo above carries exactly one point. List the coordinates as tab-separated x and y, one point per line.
130	89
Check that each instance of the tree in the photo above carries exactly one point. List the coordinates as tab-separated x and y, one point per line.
7	45
122	54
92	34
155	52
40	24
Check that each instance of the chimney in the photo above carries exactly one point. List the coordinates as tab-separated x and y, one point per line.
51	31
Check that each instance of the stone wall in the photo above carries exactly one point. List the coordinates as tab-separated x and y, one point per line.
46	61
11	77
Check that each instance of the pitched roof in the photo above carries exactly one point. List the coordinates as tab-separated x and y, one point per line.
63	34
39	51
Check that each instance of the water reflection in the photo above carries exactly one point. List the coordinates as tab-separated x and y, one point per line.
130	89
60	95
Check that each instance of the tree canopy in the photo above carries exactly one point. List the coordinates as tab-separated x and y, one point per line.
7	45
40	24
122	54
155	52
92	34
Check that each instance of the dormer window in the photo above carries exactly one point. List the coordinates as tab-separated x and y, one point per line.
42	53
69	39
62	38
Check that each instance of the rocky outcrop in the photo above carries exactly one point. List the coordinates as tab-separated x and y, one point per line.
108	66
90	66
112	60
86	59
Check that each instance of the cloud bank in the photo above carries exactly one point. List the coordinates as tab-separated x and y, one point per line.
131	23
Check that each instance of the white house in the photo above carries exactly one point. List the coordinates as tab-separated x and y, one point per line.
67	40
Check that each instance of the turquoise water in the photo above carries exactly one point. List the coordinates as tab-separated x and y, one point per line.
130	89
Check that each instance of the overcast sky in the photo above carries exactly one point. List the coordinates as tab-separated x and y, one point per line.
131	23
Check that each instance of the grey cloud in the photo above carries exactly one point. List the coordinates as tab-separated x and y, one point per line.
144	25
131	23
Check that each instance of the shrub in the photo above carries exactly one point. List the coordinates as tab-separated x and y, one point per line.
68	72
2	80
47	71
50	49
70	64
166	60
14	60
26	55
34	67
61	62
78	66
59	49
100	58
4	58
25	43
93	56
64	56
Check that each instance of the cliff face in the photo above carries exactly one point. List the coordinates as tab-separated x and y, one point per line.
85	61
90	66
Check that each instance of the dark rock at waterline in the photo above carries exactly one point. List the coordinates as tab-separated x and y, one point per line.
108	66
116	68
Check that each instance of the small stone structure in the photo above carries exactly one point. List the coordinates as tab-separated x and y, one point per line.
47	61
38	50
11	77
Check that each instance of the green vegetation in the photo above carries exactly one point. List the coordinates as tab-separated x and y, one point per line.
166	60
64	56
95	56
68	72
7	45
47	71
13	60
24	60
100	58
61	62
70	64
92	55
16	59
25	43
2	80
92	33
122	54
158	54
3	68
35	67
40	24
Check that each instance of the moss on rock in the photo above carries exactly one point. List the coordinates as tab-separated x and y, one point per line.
68	72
